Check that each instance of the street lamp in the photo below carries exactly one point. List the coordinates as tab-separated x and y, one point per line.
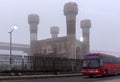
13	28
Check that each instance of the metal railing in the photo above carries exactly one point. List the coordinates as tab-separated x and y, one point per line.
40	64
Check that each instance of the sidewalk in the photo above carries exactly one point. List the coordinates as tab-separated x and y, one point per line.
38	76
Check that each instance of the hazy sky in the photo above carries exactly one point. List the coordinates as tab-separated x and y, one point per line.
104	15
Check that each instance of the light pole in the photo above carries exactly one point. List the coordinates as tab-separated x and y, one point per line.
10	58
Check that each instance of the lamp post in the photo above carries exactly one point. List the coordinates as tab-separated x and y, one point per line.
10	58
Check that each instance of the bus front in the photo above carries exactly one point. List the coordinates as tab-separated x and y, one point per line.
91	65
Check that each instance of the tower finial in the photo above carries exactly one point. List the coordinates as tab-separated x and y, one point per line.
70	11
33	21
54	31
85	25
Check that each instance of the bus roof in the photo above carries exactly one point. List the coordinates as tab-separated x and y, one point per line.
98	54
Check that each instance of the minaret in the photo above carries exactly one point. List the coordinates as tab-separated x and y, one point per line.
85	25
33	21
54	31
70	11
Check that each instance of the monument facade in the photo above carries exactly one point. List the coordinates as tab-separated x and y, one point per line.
67	46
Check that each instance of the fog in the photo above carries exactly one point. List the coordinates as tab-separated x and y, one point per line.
104	16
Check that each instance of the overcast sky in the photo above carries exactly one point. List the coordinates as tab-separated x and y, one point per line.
104	16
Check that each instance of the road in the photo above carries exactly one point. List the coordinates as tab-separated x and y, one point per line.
71	79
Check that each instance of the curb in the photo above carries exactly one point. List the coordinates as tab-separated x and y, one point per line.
37	76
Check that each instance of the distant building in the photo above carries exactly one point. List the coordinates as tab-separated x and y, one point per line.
67	46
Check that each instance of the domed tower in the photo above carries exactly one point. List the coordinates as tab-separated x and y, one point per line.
54	31
33	21
85	25
70	11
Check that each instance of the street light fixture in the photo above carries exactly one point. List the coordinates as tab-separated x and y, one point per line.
81	39
10	60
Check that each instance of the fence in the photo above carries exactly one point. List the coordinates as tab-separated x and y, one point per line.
40	64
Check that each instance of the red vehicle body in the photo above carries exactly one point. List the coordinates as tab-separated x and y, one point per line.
100	64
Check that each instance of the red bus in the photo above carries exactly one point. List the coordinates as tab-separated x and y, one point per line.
100	64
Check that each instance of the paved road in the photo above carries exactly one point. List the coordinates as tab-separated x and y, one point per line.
72	79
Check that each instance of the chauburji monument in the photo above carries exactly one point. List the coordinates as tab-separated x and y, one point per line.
65	47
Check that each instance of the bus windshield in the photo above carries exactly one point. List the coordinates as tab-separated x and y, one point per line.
91	63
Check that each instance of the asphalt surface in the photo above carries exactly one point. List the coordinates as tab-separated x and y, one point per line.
70	79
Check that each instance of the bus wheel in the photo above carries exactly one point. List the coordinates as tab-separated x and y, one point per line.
105	73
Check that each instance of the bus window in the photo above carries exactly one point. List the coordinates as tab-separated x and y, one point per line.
91	63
